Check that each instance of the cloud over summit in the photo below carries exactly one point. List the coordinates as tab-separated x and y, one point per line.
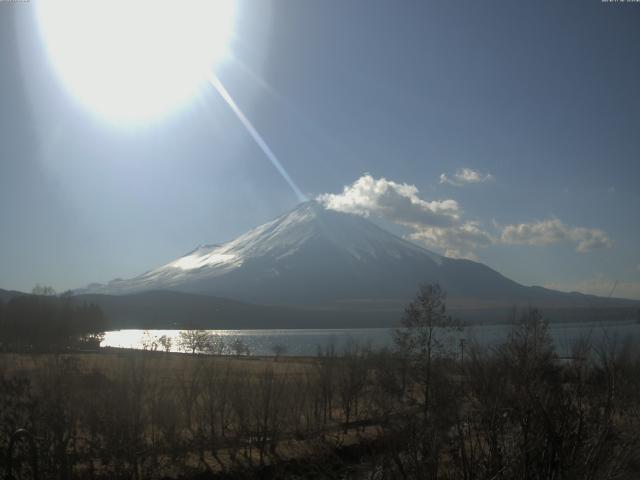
440	224
397	202
437	224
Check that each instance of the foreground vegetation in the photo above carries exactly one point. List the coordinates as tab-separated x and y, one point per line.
428	409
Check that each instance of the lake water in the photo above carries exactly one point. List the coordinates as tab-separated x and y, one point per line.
306	342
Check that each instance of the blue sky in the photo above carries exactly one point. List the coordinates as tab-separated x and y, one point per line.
538	101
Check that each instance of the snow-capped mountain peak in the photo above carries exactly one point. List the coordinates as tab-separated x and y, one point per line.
303	234
316	257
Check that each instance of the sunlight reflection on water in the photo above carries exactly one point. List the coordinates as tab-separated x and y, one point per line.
306	341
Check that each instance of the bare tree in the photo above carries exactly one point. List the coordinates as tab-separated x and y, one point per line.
150	341
216	345
240	348
166	343
194	341
214	410
268	411
417	438
326	367
278	350
351	380
43	290
426	327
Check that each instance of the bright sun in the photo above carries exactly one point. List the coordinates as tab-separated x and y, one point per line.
134	60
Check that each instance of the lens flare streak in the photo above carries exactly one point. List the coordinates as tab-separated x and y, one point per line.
255	135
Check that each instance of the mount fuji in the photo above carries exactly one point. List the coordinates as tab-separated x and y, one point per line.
312	257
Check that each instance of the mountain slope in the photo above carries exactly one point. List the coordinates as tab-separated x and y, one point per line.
316	257
176	310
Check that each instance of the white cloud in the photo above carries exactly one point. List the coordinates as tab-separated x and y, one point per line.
554	231
439	224
457	242
602	286
397	202
464	176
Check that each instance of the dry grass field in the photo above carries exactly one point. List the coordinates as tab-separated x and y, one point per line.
513	411
110	361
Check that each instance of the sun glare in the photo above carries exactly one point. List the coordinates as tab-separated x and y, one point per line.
131	61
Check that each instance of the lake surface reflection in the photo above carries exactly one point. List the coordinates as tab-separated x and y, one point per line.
302	342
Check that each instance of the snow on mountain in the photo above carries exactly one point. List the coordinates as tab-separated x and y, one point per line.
287	234
314	256
276	241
